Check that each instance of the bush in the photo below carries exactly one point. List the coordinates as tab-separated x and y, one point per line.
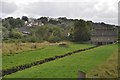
54	39
15	34
32	39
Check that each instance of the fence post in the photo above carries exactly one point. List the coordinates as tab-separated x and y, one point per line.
81	75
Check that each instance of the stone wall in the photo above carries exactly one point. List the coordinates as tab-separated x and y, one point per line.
103	33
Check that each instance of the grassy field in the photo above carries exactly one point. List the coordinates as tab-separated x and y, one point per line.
27	57
12	48
68	67
109	69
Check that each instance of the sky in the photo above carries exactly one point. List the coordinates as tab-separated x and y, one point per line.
94	10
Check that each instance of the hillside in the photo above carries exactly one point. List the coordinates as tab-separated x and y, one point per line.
46	29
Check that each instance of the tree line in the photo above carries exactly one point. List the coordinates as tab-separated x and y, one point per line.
78	31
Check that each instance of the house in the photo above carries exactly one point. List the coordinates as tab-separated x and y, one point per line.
34	22
24	30
103	34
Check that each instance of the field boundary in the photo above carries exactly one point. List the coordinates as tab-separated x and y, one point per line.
25	66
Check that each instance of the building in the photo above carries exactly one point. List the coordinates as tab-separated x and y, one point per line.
103	34
24	30
34	22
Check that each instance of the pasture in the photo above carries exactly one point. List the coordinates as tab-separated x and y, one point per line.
28	57
17	47
109	69
68	67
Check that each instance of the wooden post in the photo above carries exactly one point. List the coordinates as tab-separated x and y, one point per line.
81	75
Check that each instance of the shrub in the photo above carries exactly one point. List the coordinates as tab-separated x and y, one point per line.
54	39
15	34
32	39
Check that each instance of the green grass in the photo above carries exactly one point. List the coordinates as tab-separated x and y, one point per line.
109	69
32	56
68	67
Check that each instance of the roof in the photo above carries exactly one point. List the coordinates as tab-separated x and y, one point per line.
24	29
103	26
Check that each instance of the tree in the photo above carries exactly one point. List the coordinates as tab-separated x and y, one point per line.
14	34
49	33
62	18
43	19
51	21
54	39
10	22
81	32
5	33
25	18
89	24
6	24
19	23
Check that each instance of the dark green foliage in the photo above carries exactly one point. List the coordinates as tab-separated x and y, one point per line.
49	33
43	19
6	24
5	33
54	39
10	22
62	18
9	28
32	39
15	34
52	30
81	31
25	18
54	22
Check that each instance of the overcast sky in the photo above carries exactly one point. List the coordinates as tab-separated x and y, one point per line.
95	10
